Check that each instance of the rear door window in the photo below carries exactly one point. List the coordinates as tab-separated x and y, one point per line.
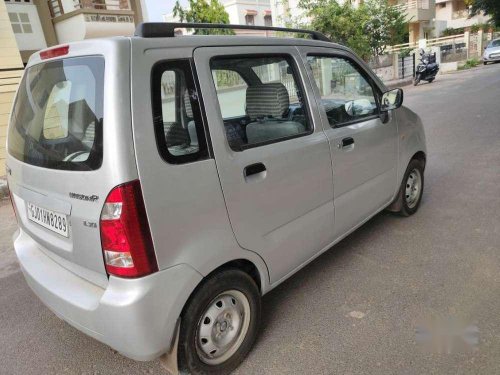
231	90
58	115
270	102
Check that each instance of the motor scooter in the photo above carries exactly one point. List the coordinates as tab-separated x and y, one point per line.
427	69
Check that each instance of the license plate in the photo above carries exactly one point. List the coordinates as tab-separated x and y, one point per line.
49	219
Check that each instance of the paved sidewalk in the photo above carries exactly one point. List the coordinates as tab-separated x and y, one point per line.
396	83
4	190
8	224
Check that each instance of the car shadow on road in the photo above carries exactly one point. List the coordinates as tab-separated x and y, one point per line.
340	255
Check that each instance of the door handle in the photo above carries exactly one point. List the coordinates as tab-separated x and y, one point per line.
346	143
253	169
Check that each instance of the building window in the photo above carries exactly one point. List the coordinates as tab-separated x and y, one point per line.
268	21
250	19
20	23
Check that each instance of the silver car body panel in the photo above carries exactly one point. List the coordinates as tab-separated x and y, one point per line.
365	176
130	315
287	216
492	53
201	214
50	188
184	203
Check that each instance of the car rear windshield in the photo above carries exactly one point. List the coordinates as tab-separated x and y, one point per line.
57	117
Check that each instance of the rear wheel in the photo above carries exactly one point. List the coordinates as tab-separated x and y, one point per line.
219	324
430	80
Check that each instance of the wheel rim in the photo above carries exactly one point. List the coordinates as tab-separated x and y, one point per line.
222	327
413	188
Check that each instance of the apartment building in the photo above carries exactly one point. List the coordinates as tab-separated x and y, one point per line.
454	14
11	69
38	24
242	12
249	12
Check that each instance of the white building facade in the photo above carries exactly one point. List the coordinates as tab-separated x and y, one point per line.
249	12
38	24
454	14
26	25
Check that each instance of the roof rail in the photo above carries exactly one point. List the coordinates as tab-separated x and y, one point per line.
167	29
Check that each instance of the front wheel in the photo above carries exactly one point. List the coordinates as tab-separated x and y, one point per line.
416	81
412	187
219	324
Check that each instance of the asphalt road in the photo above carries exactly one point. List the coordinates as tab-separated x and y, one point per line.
356	309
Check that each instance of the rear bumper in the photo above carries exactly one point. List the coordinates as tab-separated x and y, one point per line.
136	317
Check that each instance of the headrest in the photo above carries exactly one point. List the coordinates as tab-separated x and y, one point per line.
267	100
187	105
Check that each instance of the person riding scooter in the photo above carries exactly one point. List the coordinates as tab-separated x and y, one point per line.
427	69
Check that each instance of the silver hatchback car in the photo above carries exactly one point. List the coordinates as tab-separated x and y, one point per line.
162	183
492	52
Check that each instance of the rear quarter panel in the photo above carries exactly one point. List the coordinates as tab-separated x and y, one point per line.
184	202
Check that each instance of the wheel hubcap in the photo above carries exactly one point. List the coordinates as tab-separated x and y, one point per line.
223	327
413	188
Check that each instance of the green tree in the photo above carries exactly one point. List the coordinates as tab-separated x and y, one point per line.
386	25
367	29
489	7
201	11
342	23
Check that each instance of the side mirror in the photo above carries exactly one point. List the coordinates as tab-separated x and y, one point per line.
391	100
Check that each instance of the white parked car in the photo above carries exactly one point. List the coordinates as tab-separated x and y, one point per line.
492	52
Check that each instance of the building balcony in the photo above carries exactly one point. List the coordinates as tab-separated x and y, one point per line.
459	14
84	19
60	7
418	10
461	21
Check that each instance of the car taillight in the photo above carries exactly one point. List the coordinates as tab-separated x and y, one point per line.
54	52
125	235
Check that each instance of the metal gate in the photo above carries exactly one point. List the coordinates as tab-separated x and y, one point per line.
406	66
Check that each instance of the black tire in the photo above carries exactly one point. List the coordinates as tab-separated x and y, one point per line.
405	209
430	80
416	81
203	297
485	63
